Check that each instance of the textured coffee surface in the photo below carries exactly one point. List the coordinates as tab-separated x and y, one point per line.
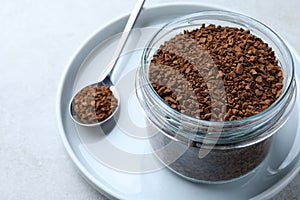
216	73
94	104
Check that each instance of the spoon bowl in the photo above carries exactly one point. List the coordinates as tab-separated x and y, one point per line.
116	95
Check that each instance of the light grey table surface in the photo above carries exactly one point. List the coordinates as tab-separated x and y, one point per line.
37	39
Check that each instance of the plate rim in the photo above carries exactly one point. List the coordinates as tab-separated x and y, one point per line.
96	184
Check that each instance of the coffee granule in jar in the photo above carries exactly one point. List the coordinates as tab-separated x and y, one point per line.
217	166
94	104
185	71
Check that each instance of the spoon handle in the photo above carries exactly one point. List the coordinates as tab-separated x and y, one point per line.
133	16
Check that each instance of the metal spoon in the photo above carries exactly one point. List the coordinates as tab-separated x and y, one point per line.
110	69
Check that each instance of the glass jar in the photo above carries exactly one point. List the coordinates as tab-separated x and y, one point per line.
213	151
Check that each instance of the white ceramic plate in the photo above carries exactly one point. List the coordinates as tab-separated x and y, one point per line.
91	152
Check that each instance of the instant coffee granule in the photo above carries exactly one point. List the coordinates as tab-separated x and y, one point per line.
218	165
94	104
186	71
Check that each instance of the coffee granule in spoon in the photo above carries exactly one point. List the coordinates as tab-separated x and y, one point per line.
94	104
